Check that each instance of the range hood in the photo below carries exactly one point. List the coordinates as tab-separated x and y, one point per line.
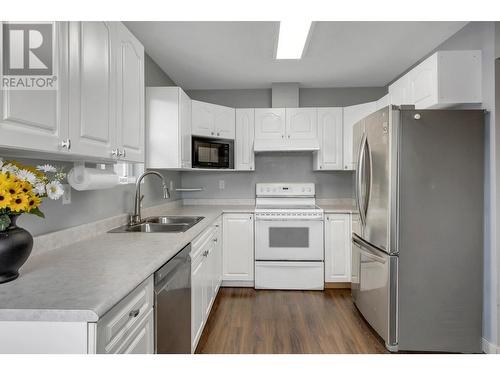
269	145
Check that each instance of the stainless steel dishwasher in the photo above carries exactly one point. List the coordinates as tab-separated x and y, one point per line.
173	305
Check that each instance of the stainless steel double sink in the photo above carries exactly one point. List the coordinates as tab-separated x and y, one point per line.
161	224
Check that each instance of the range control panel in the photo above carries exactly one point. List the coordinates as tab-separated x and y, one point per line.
285	190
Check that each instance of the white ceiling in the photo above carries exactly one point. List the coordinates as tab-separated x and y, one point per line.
240	55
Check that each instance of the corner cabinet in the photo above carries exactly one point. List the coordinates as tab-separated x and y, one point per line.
212	120
444	79
245	130
97	112
238	249
38	120
330	136
168	125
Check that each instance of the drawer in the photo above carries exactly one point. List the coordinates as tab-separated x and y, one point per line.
199	244
124	317
141	340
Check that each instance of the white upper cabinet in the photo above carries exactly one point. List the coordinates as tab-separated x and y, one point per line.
444	79
270	123
330	136
338	248
212	120
400	92
245	125
92	88
168	118
301	123
352	115
97	111
37	120
130	95
384	101
286	129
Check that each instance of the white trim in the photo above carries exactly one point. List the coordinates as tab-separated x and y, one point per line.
489	348
238	284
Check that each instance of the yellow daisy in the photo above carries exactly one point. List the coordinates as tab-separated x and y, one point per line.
13	187
25	187
5	198
19	203
33	202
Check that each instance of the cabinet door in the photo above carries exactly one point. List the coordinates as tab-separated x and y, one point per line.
185	128
270	123
141	341
400	91
245	130
352	115
130	95
301	123
424	83
238	247
224	122
337	248
330	130
197	305
355	228
92	88
37	120
203	119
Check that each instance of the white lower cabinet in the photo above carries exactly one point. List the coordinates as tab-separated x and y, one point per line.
238	253
129	326
338	248
206	277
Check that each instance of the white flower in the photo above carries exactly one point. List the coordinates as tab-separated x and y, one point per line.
9	168
46	168
54	190
1	162
25	175
39	189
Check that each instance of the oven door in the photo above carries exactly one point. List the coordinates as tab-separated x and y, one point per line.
289	240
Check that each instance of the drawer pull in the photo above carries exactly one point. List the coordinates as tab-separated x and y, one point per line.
134	313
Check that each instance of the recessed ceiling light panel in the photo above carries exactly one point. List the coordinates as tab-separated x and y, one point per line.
292	39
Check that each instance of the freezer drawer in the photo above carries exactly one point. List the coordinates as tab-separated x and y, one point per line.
375	291
290	275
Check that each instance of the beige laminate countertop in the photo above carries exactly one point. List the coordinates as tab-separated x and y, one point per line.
82	281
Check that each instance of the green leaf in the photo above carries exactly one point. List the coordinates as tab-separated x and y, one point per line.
4	222
37	212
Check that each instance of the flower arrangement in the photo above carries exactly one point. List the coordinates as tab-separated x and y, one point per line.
22	189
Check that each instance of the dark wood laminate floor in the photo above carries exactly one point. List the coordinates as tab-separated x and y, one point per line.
244	320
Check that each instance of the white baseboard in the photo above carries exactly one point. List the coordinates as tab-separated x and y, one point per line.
489	348
238	284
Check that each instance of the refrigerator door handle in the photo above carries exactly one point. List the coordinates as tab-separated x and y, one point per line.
359	182
367	247
368	181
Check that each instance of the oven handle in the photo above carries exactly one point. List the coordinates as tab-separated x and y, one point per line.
289	219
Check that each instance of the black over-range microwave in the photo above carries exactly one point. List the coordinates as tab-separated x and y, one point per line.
212	153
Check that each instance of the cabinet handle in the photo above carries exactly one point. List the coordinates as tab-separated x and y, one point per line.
134	313
282	136
115	152
218	135
121	153
215	239
66	143
212	133
288	136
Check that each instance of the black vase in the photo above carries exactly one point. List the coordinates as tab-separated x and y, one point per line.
15	248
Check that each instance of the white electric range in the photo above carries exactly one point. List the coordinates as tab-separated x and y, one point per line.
289	245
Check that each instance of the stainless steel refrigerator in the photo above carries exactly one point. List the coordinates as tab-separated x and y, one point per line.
417	263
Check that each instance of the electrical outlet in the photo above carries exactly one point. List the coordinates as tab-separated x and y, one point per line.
66	198
222	184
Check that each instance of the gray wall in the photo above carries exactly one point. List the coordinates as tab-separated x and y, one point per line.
308	97
270	167
88	206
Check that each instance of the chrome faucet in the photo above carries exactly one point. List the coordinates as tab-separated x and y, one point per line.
136	217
